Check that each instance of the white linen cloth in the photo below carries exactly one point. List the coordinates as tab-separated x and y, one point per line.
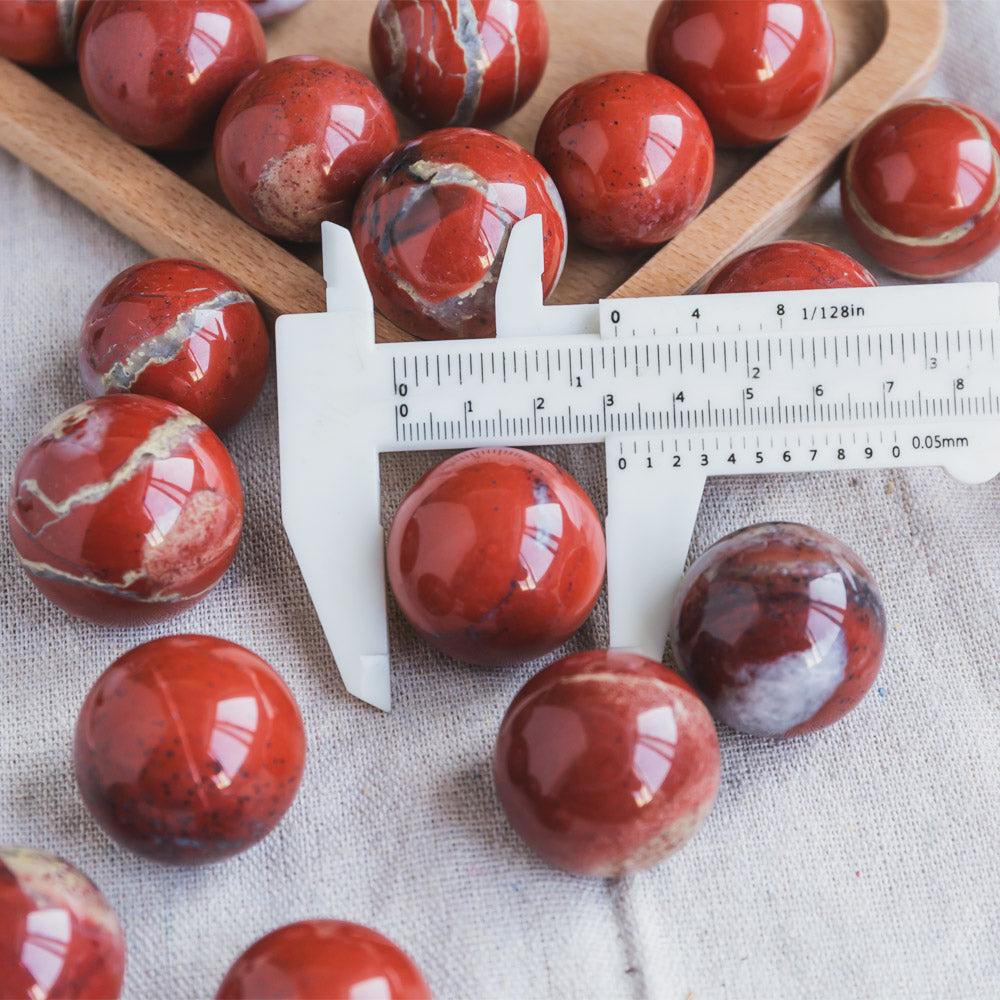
863	860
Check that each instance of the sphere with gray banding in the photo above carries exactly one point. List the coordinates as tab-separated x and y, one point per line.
780	628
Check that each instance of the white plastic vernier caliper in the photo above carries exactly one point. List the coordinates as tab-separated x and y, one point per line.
678	389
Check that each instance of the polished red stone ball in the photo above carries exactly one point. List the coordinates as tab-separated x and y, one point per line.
921	188
125	510
431	225
157	73
59	937
323	958
295	142
606	763
459	62
189	749
789	265
496	556
632	158
41	32
756	68
180	331
780	628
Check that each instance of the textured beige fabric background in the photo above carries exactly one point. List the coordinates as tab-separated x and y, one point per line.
861	861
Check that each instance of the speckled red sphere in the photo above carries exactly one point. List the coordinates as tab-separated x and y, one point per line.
780	628
431	226
459	62
269	10
496	556
180	331
125	510
41	32
189	749
323	958
632	158
921	188
157	73
295	142
756	68
606	763
789	265
59	938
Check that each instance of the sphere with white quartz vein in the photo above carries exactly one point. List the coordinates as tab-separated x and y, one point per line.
125	510
431	226
459	62
181	331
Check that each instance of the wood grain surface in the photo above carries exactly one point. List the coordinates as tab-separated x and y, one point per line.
172	206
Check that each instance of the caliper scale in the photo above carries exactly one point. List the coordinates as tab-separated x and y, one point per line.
677	389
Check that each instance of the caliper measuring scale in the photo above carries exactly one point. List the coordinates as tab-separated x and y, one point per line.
677	389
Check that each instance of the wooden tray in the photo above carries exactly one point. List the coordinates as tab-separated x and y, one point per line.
173	206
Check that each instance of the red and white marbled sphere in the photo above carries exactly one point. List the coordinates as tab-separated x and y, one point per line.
788	265
606	763
125	510
431	226
459	62
295	142
920	189
59	937
180	331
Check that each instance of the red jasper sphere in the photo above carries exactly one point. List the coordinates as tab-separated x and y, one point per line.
59	937
459	62
431	226
496	556
789	265
632	158
606	763
921	188
756	68
323	958
125	510
189	749
157	73
295	142
180	331
41	32
780	628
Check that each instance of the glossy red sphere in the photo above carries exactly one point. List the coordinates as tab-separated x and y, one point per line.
632	158
496	556
189	749
41	32
295	142
59	938
459	62
431	226
780	628
180	331
606	763
157	73
125	510
789	265
921	188
323	958
756	68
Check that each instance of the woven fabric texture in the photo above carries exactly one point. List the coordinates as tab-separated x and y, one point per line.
863	860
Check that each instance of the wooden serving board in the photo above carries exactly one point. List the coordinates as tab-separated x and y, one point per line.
172	206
